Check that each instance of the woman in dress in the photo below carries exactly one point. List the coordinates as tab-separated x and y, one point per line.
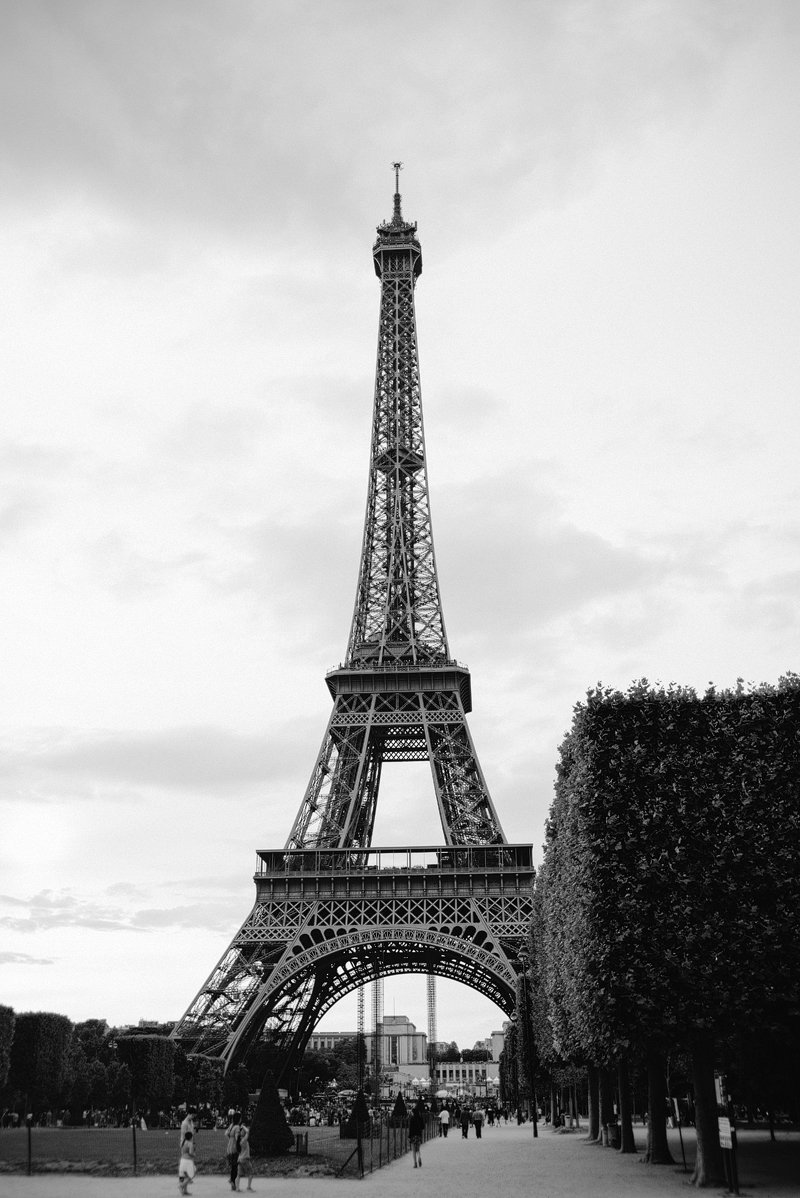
245	1161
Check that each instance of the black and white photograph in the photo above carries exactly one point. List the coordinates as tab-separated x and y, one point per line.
400	600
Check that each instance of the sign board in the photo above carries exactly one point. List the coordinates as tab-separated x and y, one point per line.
725	1140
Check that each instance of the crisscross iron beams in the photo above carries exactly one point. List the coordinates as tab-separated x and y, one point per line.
339	803
398	612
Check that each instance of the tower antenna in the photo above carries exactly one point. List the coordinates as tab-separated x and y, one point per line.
397	216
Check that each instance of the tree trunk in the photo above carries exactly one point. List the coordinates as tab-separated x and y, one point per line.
593	1087
627	1142
708	1168
658	1152
606	1104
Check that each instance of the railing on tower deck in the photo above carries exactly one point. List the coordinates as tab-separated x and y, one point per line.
389	666
501	858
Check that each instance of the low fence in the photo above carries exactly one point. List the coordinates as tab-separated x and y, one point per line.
129	1150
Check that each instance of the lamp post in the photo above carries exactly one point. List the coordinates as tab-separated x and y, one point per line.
527	1040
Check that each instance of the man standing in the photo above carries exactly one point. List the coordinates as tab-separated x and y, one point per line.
444	1121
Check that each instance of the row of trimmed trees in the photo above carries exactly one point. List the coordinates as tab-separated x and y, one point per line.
666	909
49	1064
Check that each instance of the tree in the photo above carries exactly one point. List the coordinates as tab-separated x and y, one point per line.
98	1086
198	1081
671	883
7	1021
316	1070
150	1060
450	1052
38	1059
96	1040
509	1068
236	1089
270	1134
78	1082
119	1085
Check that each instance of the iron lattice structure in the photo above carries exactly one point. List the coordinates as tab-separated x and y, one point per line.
332	912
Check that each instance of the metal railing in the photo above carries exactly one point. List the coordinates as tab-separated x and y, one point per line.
130	1151
449	858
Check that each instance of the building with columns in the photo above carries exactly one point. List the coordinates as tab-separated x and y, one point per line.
404	1059
401	1045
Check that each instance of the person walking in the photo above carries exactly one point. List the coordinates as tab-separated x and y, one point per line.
232	1134
477	1120
186	1167
416	1128
465	1122
245	1163
444	1122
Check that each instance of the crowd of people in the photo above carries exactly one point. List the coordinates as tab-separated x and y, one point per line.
321	1112
461	1116
467	1116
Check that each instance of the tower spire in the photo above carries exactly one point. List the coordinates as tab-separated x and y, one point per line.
397	216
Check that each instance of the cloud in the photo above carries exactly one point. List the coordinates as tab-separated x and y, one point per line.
215	916
196	759
50	909
520	565
219	910
32	461
18	517
205	114
24	959
31	477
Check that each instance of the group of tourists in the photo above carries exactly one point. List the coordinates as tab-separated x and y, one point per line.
237	1151
466	1117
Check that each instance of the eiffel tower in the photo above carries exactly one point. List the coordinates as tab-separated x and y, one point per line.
333	912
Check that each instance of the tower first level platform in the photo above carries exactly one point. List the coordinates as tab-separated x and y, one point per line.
327	921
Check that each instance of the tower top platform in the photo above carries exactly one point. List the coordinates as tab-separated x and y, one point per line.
399	237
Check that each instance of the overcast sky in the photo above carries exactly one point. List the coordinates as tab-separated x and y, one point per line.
607	200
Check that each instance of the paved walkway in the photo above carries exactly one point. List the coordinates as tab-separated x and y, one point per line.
506	1162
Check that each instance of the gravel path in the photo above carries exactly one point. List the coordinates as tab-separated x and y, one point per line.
507	1161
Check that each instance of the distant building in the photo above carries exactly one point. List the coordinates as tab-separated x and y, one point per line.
404	1059
473	1079
400	1043
146	1027
494	1044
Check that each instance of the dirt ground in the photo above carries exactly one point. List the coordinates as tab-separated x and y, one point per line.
507	1161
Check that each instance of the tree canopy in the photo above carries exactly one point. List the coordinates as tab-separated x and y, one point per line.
670	886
